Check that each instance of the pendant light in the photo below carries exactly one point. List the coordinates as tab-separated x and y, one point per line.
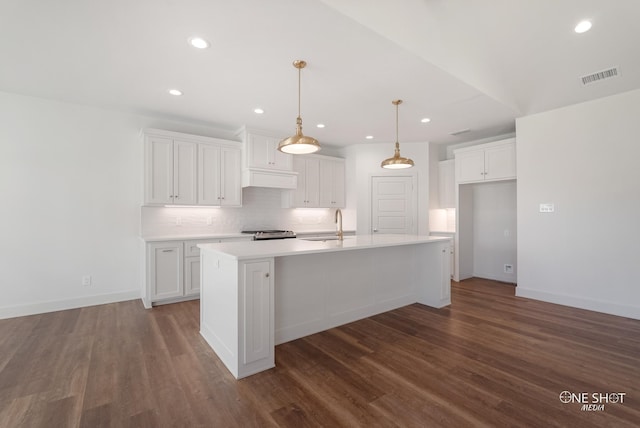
397	161
299	144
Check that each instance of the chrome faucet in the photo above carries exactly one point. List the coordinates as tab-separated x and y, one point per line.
339	232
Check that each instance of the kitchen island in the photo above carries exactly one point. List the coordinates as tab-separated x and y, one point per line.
258	294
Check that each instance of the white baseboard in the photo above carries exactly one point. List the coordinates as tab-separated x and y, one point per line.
612	308
61	305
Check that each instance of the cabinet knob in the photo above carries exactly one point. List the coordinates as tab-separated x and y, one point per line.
375	230
266	275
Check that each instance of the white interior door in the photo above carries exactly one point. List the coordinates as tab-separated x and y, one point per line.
393	205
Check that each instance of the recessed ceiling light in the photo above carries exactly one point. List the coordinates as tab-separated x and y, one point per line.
320	125
583	27
198	42
175	92
369	137
258	110
425	120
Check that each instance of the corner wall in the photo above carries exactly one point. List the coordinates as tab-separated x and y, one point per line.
584	159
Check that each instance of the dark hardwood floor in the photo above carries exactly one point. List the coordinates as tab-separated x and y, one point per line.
490	360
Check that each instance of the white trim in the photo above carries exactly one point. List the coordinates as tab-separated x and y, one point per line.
627	311
61	305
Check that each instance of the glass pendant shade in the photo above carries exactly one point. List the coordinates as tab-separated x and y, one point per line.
397	161
299	144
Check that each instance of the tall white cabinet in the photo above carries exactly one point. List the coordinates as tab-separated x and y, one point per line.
485	175
183	169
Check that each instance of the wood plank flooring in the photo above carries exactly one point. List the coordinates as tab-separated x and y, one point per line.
489	360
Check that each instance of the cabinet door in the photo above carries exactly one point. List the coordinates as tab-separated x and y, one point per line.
208	175
447	184
312	183
259	151
500	162
332	194
470	166
281	161
299	195
257	318
165	270
231	185
191	276
185	158
158	171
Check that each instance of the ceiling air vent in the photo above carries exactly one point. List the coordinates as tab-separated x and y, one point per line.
462	131
600	75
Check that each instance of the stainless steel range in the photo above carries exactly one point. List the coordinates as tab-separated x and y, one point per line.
262	235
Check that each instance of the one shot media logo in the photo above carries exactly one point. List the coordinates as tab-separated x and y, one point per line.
592	401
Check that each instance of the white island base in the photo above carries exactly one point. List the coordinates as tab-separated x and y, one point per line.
255	295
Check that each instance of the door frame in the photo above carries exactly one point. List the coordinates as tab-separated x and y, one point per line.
414	194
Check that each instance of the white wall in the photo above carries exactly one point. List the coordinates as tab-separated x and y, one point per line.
70	183
584	159
363	162
494	230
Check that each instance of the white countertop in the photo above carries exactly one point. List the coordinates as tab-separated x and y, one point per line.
291	247
157	238
193	237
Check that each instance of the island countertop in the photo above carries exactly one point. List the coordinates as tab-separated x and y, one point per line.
290	247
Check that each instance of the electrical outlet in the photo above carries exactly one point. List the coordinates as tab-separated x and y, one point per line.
86	280
508	268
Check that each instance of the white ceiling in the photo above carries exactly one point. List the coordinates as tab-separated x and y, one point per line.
463	63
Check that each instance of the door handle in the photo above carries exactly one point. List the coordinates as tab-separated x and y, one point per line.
375	230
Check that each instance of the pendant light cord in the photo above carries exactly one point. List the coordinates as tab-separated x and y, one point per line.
299	89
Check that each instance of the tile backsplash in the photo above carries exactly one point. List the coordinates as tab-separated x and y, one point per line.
261	209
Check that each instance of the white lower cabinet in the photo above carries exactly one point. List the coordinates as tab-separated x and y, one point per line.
173	270
165	264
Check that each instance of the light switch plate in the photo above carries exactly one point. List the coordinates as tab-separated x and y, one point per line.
547	208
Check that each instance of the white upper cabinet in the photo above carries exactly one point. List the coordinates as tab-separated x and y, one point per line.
486	162
219	176
320	183
183	169
262	152
170	171
447	183
332	194
307	195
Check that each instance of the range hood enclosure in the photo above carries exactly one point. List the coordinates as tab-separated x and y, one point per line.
263	165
